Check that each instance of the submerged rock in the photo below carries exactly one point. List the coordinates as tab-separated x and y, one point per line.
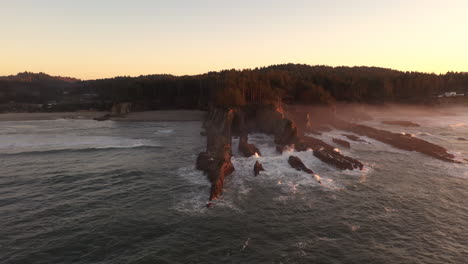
342	143
296	163
103	118
353	138
257	168
401	123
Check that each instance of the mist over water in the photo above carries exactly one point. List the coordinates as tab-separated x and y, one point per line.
77	191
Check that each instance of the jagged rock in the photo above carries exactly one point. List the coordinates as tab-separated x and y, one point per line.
401	123
342	143
216	160
327	154
248	150
279	149
353	138
222	169
271	120
337	159
296	163
205	161
405	142
257	168
288	135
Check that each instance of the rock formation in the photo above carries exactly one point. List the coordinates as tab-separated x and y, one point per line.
257	168
401	141
248	150
353	138
216	160
296	163
342	143
327	153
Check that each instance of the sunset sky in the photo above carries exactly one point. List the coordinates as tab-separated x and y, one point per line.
105	38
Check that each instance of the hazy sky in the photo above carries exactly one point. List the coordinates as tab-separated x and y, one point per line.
105	38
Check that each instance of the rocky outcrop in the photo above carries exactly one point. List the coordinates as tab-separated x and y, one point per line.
327	153
401	123
401	141
338	160
216	160
257	168
224	168
248	150
121	109
272	120
296	163
341	142
353	138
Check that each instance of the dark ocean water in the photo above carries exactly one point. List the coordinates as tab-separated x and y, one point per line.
78	191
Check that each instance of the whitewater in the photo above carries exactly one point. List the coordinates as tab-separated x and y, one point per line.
81	191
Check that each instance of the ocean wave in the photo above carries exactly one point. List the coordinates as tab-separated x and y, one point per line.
84	149
165	131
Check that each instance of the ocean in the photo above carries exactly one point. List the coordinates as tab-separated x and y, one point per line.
81	191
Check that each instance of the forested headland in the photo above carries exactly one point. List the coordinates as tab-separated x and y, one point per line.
290	83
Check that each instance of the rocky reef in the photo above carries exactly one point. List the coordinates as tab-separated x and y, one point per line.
291	130
222	124
353	138
401	123
401	141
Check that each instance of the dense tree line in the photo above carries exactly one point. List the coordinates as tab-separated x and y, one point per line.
292	83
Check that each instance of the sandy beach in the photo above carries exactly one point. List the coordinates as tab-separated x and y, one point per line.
162	115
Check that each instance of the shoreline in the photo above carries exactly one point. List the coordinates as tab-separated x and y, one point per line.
157	115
